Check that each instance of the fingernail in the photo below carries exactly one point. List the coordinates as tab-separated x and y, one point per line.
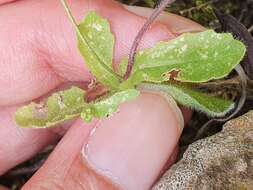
132	146
173	105
176	24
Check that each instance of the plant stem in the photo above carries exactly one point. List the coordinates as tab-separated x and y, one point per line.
131	59
243	97
72	19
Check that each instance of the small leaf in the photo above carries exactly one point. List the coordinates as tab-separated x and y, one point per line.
195	58
99	37
106	107
96	42
210	105
61	106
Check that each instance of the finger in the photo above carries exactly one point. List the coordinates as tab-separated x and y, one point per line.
18	144
47	45
6	117
128	149
40	50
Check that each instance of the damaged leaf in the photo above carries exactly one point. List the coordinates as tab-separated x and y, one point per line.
195	58
108	106
59	107
69	104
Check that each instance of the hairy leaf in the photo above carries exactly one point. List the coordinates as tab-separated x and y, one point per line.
59	107
189	58
96	43
195	58
210	105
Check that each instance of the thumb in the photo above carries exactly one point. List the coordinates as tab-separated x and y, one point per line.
125	151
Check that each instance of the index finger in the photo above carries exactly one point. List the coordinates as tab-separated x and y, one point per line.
40	49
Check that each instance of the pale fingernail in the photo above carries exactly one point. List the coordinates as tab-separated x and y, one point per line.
173	105
132	147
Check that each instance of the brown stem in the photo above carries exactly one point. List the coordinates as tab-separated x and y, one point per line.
141	33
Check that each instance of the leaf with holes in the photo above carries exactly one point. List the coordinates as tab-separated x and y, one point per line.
59	107
70	104
107	106
195	58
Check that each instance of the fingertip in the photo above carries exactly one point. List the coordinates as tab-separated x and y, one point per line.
132	147
65	167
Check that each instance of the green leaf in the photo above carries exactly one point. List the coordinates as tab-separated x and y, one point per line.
96	42
99	37
70	104
107	106
210	105
195	57
61	106
110	105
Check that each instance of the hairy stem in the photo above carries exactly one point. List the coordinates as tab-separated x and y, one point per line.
162	5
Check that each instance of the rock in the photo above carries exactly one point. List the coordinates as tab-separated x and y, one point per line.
223	161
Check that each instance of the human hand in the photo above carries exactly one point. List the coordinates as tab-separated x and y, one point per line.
38	54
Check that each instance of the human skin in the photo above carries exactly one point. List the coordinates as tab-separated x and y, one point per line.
38	54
